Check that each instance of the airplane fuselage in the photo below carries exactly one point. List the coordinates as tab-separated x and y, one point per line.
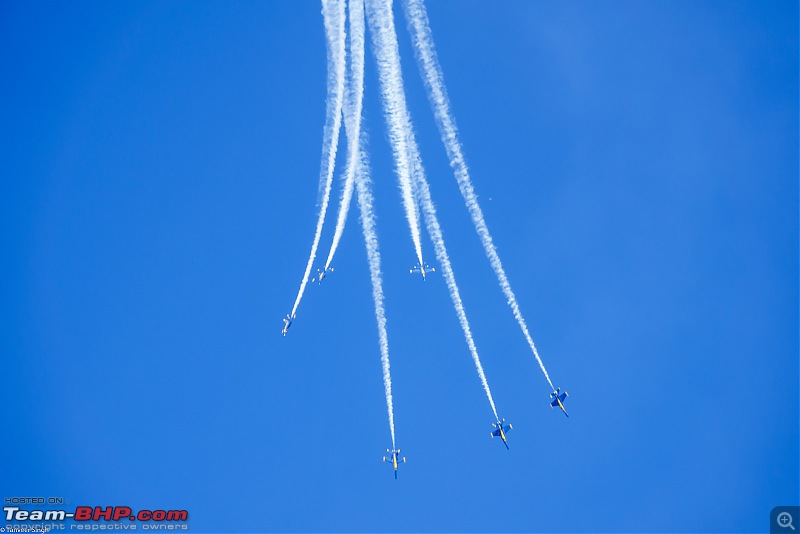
557	399
501	432
421	270
395	460
286	324
321	273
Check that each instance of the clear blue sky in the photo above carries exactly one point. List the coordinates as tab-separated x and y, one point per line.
638	167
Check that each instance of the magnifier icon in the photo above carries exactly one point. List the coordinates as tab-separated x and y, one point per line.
785	520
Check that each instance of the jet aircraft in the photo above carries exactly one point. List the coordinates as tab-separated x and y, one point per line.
501	429
287	322
321	274
558	400
425	267
394	459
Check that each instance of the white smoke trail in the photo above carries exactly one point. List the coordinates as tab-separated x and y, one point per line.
333	13
365	202
357	173
352	117
435	231
387	55
433	77
381	18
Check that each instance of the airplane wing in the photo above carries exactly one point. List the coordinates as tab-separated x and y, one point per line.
507	427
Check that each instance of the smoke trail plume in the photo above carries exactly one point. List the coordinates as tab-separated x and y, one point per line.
435	231
387	55
365	202
333	13
433	77
381	18
352	117
357	173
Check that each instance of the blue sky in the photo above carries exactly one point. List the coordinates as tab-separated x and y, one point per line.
637	164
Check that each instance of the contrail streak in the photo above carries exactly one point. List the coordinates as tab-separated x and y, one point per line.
352	116
387	55
435	231
365	203
382	19
358	173
433	77
333	13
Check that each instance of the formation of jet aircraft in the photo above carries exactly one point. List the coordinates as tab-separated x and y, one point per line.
500	427
394	459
